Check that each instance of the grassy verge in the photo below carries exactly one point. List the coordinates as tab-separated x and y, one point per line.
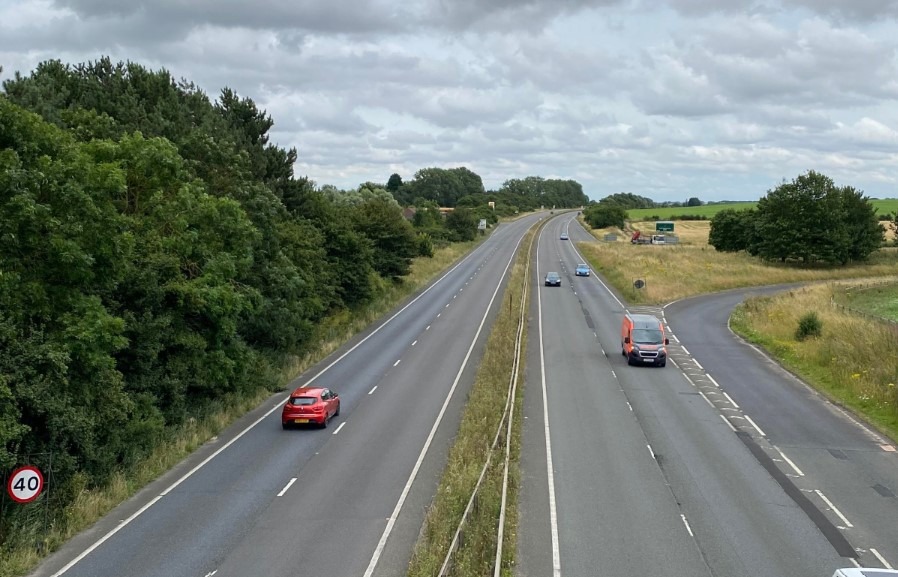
91	505
854	361
468	454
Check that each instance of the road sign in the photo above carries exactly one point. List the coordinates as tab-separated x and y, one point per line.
25	484
664	226
482	224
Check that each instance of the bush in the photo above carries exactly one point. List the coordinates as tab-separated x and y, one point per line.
809	325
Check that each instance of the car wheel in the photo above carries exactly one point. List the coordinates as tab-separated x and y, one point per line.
630	361
337	414
285	426
324	422
663	364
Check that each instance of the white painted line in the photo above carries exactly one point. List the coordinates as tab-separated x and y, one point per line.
685	522
613	374
674	337
550	467
211	573
788	460
675	363
725	420
447	306
372	390
379	549
103	539
415	343
855	561
881	559
630	406
685	350
888	448
710	378
706	398
691	382
698	365
651	451
454	297
289	484
730	399
397	362
440	314
343	424
428	326
755	425
833	508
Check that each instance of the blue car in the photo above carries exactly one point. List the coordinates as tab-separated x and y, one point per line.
582	270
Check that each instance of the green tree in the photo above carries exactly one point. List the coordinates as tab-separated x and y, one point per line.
394	183
694	201
604	215
733	230
392	237
810	220
463	224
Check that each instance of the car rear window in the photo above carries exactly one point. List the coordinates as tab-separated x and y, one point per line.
302	400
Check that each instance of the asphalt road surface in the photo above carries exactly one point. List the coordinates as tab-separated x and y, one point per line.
348	500
719	464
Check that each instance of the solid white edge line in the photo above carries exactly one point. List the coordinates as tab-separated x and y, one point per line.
725	420
730	399
755	425
651	451
343	424
378	551
289	484
550	468
788	460
372	390
706	398
833	508
881	559
105	537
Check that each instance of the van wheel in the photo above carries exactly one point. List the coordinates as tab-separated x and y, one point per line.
664	364
630	361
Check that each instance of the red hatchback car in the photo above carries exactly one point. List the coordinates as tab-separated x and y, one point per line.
310	405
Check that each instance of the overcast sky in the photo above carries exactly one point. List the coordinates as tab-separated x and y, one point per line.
670	99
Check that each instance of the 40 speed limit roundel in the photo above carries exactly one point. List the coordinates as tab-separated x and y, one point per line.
25	484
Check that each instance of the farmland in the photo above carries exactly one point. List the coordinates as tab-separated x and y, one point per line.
882	205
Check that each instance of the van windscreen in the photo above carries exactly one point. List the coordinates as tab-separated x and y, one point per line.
646	336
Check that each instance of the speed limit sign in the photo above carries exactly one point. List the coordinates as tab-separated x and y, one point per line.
25	484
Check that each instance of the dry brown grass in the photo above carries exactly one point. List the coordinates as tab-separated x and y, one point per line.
692	267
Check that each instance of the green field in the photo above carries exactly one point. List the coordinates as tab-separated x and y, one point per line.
880	301
882	205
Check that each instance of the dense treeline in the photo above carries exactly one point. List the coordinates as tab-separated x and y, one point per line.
158	254
459	187
807	220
